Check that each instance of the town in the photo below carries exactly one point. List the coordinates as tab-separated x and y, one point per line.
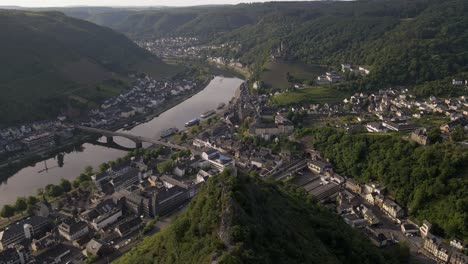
144	100
117	205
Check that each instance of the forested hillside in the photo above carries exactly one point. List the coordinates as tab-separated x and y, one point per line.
246	220
48	57
432	181
403	42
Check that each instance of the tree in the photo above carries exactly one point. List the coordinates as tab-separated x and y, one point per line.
65	185
183	137
166	166
40	191
7	211
31	200
103	167
54	190
88	170
21	204
434	135
458	133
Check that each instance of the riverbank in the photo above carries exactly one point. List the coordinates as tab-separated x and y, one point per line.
25	180
10	167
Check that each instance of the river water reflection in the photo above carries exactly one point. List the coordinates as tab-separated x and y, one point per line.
29	179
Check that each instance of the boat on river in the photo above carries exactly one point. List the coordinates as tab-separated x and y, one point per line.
208	113
192	122
169	132
220	105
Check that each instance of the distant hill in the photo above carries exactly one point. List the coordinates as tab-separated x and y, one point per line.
48	58
403	42
247	220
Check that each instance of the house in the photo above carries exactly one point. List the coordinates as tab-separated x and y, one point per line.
420	136
354	220
318	166
179	171
457	82
392	209
45	243
29	228
363	70
401	126
137	201
71	229
370	216
42	208
125	177
169	199
458	258
458	244
375	127
452	124
217	160
425	229
104	214
374	187
435	246
127	112
377	238
34	142
371	198
96	247
346	67
353	186
15	255
409	228
129	226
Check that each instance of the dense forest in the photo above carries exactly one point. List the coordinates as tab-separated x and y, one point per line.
243	219
49	58
431	181
402	42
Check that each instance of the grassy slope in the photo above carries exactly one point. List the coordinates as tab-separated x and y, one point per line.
246	220
274	74
313	95
48	57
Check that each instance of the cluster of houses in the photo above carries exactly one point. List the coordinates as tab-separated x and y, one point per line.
441	251
100	220
330	77
394	109
232	62
144	97
33	137
347	67
180	47
172	46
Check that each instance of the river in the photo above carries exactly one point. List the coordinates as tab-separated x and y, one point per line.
27	180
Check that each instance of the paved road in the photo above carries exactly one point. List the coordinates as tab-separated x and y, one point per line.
391	229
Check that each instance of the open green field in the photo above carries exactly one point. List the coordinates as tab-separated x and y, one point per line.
314	95
274	75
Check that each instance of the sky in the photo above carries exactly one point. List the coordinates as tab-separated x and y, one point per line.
60	3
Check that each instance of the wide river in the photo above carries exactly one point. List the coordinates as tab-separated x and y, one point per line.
26	181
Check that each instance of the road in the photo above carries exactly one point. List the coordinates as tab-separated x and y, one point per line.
162	224
391	229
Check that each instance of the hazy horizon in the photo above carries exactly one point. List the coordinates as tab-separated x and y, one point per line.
122	3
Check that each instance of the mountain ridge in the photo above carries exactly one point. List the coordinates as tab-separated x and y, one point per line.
243	219
51	57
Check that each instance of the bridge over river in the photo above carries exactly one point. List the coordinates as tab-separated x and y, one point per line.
137	139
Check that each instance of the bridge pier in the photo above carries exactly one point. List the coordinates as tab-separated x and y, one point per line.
110	139
139	144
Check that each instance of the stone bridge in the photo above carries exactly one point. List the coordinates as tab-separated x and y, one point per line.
137	139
